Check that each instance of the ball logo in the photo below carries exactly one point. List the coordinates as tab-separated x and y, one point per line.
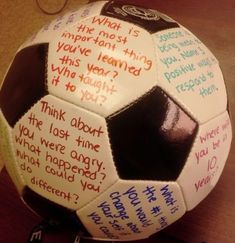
146	14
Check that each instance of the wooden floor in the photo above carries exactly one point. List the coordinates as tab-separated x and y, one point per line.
213	221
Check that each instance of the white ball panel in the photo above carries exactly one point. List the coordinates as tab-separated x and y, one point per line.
132	210
7	154
190	73
63	152
97	62
46	34
206	160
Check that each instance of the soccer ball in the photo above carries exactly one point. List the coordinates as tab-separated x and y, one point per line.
114	120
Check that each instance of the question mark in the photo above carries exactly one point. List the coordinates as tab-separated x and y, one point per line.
76	197
104	175
103	99
115	74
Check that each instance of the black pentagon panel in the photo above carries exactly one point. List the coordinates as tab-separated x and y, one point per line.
51	211
25	82
149	19
151	138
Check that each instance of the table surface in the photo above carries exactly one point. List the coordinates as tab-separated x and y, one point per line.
213	220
